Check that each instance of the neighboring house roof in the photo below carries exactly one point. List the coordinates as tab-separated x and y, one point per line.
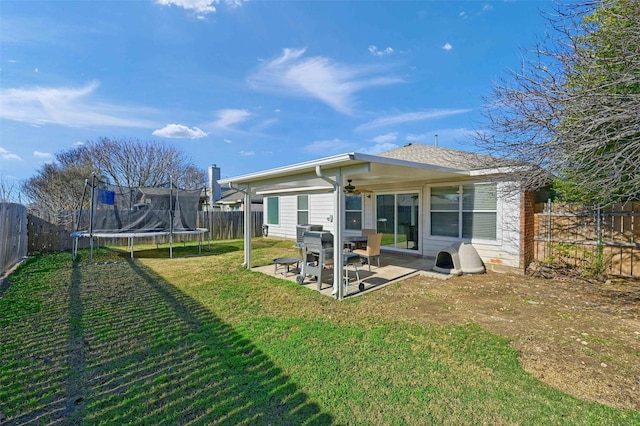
444	157
234	196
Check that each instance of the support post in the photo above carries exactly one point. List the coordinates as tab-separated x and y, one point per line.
93	190
247	228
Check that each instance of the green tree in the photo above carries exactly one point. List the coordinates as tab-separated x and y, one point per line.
573	110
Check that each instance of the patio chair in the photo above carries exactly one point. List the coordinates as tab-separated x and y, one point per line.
372	250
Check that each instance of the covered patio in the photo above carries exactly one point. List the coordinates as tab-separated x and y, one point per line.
330	176
394	267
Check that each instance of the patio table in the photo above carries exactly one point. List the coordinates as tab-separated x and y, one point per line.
357	240
285	263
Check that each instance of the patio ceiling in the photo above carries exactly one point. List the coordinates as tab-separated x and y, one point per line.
365	171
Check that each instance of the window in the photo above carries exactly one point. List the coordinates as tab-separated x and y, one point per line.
303	209
353	212
273	210
464	211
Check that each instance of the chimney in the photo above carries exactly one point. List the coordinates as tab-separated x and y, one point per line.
215	193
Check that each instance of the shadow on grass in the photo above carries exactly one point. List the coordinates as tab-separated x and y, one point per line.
178	251
139	351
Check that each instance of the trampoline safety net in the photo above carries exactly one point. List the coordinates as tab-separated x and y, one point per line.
123	210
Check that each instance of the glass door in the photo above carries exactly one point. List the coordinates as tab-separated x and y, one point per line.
397	218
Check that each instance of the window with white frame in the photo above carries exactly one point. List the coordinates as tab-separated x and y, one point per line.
353	212
273	210
303	209
464	211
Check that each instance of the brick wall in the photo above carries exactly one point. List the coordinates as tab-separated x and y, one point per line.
527	232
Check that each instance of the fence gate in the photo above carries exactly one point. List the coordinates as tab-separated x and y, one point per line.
580	235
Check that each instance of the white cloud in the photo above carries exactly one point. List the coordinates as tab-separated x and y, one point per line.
378	148
326	147
45	155
447	47
376	52
228	117
386	138
247	153
202	7
409	117
6	155
64	106
178	131
227	140
78	143
199	6
316	77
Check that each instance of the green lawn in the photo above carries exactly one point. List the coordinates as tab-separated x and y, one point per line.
199	340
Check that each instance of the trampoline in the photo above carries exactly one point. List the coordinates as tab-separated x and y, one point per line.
131	236
131	213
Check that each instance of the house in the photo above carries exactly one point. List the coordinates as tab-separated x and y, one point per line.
423	198
232	199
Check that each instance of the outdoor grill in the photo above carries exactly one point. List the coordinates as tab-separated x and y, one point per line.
317	248
300	230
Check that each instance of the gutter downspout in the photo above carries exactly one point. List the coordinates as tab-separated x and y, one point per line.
337	241
247	223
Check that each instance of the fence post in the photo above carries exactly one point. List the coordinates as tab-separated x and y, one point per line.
548	228
600	247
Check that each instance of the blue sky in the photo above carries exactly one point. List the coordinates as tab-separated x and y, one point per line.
251	85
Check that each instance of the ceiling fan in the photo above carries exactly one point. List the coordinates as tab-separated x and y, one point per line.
349	189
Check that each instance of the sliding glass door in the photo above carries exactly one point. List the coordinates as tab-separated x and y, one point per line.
397	218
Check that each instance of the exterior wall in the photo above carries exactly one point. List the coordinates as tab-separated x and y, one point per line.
504	252
320	208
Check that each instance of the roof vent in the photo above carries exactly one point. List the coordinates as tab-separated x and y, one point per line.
408	144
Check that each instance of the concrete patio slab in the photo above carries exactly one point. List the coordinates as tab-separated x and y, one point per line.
394	267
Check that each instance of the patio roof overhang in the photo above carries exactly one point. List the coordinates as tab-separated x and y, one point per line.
365	171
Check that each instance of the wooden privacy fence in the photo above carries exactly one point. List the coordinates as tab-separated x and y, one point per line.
229	225
13	234
589	237
43	236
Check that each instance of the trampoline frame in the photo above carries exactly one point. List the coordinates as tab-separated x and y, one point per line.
132	235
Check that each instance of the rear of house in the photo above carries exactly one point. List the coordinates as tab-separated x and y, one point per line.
420	215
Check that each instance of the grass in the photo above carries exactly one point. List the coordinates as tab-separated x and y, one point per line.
199	340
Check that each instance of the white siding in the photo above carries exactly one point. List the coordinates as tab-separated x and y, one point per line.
504	251
320	208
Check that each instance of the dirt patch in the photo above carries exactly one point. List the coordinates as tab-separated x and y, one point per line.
580	337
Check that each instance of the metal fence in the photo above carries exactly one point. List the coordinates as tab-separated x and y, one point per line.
580	235
13	235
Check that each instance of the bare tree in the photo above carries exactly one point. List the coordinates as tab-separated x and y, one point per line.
134	163
56	188
8	191
573	109
130	163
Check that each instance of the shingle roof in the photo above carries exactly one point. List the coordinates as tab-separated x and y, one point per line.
446	157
